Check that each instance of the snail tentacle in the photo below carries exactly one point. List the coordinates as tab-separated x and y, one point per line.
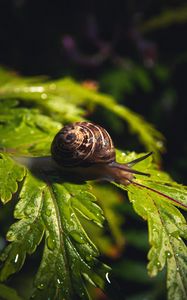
135	161
126	168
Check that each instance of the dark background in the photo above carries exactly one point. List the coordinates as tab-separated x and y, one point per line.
91	39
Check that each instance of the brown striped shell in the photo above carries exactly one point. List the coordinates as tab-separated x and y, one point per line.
82	144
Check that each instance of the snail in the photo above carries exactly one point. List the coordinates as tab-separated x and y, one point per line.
83	151
86	149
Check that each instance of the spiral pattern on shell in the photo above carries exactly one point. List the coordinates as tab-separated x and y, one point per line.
82	144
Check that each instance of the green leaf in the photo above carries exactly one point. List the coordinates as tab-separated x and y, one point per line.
10	174
167	18
154	199
122	81
67	101
69	256
27	233
24	131
7	293
54	211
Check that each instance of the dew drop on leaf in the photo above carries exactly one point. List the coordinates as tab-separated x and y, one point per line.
107	277
50	243
40	286
43	96
177	254
16	258
72	215
77	237
89	257
59	281
168	254
158	264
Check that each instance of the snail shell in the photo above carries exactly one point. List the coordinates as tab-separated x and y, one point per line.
82	144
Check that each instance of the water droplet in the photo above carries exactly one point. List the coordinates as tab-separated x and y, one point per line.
89	257
36	89
77	237
158	264
50	243
59	281
16	258
40	286
177	254
44	96
177	269
168	254
107	277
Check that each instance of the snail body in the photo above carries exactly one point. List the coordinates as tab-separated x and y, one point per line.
87	149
